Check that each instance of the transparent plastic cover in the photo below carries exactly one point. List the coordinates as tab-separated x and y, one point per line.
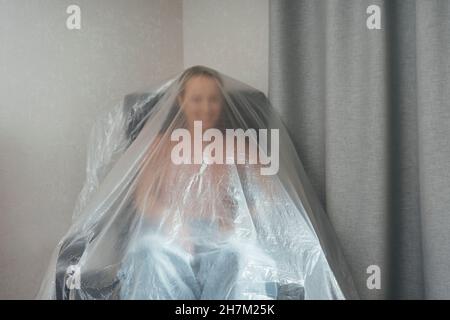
194	191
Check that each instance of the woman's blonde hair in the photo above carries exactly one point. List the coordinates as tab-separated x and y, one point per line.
198	71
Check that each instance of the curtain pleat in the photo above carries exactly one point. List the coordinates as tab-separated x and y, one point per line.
369	114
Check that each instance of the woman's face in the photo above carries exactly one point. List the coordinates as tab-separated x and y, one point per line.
202	101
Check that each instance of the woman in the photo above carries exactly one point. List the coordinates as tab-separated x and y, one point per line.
187	249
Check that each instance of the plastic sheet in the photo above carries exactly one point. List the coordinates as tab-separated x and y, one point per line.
194	191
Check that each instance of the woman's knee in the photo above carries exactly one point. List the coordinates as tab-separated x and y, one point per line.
255	272
248	251
151	262
248	260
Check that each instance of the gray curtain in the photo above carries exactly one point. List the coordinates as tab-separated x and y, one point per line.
369	113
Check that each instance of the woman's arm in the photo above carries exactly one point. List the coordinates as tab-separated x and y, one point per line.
149	180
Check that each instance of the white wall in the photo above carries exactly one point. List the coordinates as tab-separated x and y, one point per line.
52	83
230	36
